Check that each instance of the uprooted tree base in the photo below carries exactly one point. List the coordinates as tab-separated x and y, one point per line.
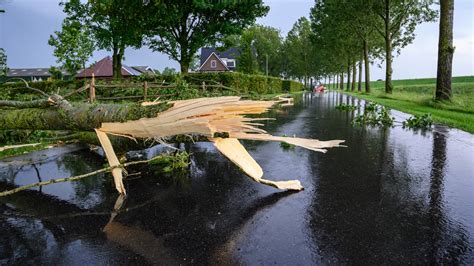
220	120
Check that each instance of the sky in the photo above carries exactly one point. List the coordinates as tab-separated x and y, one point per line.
27	25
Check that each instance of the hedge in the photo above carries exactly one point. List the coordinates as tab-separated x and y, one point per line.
245	83
241	83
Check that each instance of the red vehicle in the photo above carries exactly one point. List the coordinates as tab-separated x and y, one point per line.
319	88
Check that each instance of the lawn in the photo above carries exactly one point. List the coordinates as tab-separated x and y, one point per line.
415	96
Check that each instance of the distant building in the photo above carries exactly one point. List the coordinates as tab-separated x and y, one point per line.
214	60
32	74
144	69
104	69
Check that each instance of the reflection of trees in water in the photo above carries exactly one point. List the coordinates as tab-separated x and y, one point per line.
87	190
357	218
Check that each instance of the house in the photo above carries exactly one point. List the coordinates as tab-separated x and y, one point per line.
32	74
214	60
104	69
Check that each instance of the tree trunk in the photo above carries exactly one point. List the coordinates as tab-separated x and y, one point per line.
83	117
342	81
445	51
184	68
359	85
388	50
337	81
117	62
354	74
367	66
348	85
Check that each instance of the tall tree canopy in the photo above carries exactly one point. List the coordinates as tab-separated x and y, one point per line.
114	24
260	46
73	45
179	30
298	49
397	22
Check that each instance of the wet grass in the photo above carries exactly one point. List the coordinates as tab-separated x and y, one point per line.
416	96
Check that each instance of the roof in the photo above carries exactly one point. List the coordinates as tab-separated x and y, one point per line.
231	53
220	60
31	72
143	69
104	68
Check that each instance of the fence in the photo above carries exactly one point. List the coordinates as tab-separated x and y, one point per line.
92	87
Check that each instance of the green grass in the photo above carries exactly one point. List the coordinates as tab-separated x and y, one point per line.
416	96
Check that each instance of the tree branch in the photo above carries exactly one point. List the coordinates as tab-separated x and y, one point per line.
74	178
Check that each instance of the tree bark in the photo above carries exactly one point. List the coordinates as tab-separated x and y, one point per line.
388	49
348	85
84	117
445	51
367	66
359	85
117	61
354	74
342	81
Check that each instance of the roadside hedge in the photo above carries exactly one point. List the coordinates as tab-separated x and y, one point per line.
245	83
239	82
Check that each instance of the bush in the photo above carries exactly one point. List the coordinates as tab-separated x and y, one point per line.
245	83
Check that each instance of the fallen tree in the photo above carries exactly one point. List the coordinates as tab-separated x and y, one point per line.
220	120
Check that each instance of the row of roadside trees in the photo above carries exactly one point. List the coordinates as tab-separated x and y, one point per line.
350	34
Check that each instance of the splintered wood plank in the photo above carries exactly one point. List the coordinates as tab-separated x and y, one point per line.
112	159
236	153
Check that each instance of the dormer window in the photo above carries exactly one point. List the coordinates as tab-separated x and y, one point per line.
230	63
213	64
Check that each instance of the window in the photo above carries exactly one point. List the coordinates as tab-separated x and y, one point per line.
213	64
230	63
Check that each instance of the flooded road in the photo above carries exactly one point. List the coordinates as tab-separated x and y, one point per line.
392	196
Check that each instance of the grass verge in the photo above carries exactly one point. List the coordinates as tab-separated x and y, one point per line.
450	114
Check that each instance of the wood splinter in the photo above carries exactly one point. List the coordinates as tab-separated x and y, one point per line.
205	117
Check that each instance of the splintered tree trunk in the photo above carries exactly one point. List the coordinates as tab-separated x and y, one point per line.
348	85
445	51
367	66
84	117
359	85
354	74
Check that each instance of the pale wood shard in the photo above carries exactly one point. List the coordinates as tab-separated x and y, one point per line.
112	159
8	147
310	144
232	149
205	117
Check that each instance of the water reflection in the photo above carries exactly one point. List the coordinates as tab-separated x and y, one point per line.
392	196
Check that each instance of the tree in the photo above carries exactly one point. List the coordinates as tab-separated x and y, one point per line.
398	20
55	73
169	71
445	51
179	30
3	63
259	46
335	40
73	45
115	24
298	50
